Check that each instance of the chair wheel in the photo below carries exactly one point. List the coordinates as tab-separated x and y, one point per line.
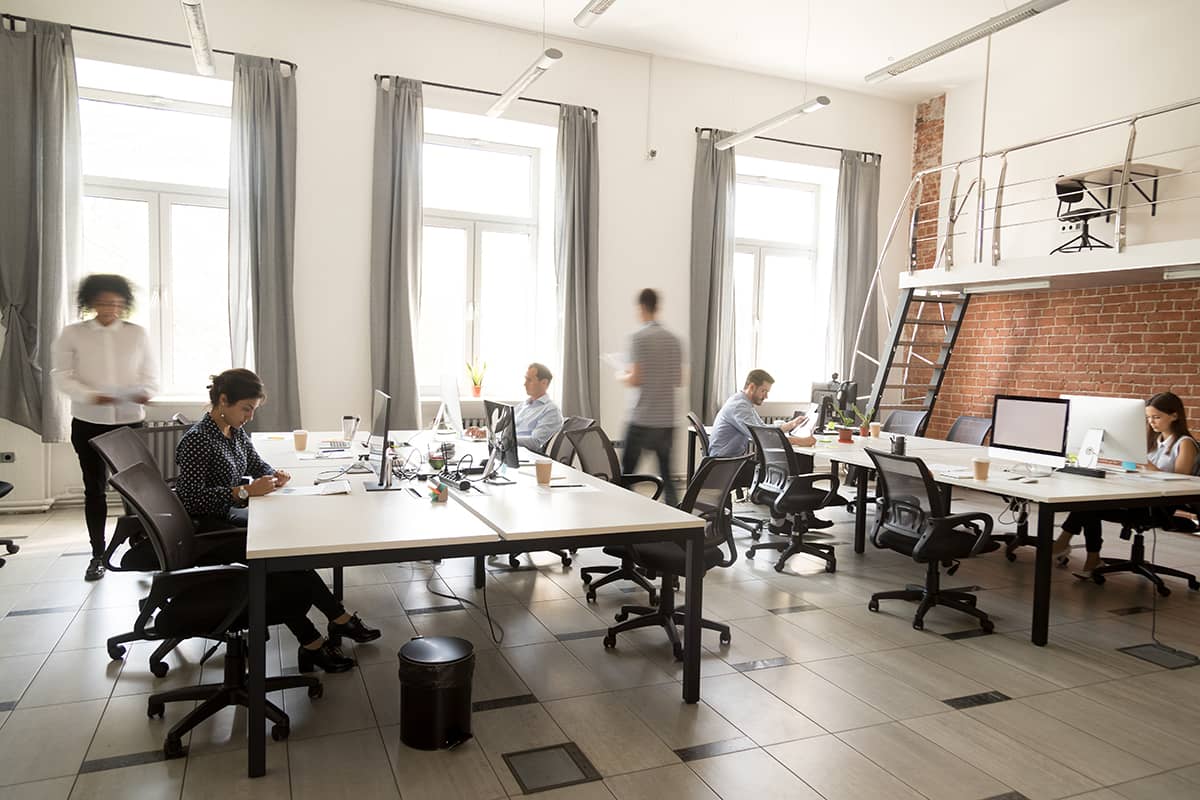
1010	555
756	535
830	566
919	624
1194	585
749	554
725	638
872	605
1163	591
155	709
173	748
780	564
514	560
591	595
12	548
280	732
116	651
316	692
621	616
160	668
586	579
1098	580
566	561
987	625
610	641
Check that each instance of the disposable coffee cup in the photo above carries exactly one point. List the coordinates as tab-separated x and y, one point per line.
542	466
300	438
981	466
876	427
349	427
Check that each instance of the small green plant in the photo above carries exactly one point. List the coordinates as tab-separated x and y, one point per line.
476	372
864	417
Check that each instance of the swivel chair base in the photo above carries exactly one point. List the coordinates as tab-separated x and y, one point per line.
930	595
665	615
622	572
1084	241
10	547
794	545
1138	565
232	691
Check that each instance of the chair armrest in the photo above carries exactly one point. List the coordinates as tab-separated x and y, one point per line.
807	480
128	529
633	478
941	526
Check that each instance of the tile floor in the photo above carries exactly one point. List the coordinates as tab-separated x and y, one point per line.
815	697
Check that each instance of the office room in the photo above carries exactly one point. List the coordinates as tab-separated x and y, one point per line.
635	398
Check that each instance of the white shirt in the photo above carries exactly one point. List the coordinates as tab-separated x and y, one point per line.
116	359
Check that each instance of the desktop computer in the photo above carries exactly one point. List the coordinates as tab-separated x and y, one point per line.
501	439
1030	430
449	418
1121	421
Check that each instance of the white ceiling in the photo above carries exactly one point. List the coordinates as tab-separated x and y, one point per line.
846	39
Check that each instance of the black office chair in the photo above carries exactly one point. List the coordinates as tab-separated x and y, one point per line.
707	496
9	545
786	481
906	423
1069	193
744	480
970	430
598	457
914	519
189	601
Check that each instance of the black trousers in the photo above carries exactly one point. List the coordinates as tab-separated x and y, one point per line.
95	478
1089	522
658	440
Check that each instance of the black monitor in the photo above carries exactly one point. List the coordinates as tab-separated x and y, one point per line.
501	436
379	430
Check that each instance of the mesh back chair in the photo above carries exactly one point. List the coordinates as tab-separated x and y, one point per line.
914	519
598	457
189	601
707	497
902	423
1069	193
970	430
5	488
786	482
744	480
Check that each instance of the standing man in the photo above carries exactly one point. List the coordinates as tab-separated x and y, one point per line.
656	371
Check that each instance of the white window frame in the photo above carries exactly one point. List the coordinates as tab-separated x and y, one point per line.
475	225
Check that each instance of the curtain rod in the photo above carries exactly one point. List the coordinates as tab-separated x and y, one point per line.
490	94
15	19
800	144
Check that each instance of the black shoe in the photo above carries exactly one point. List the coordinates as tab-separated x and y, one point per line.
328	657
95	570
354	630
780	530
813	522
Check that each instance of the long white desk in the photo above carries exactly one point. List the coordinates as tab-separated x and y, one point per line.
309	532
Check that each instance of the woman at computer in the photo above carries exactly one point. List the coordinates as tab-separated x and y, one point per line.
212	459
1171	449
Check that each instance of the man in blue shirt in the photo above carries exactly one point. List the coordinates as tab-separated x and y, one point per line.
537	419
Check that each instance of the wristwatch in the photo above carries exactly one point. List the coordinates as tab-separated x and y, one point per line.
243	494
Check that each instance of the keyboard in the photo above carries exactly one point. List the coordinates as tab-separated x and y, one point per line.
336	444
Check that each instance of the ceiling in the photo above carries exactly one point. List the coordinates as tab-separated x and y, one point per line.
846	39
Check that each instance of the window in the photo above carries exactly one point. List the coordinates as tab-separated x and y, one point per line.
156	171
781	272
487	290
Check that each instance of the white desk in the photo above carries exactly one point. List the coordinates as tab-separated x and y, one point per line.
308	532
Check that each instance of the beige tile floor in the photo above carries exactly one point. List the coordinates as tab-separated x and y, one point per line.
816	697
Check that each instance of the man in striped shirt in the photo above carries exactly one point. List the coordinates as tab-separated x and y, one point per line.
655	371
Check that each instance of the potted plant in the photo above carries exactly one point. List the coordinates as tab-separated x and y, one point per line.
864	419
847	428
476	372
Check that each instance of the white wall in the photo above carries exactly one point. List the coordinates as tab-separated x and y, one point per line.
339	45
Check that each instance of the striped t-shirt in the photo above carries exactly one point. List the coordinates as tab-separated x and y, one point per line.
657	353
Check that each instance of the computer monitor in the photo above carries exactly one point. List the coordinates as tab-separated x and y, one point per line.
449	416
832	396
379	430
1031	430
1122	419
501	436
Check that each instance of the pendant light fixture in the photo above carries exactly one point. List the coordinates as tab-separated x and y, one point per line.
592	10
202	53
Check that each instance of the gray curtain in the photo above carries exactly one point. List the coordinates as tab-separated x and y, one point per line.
396	211
41	190
576	259
712	343
854	256
262	225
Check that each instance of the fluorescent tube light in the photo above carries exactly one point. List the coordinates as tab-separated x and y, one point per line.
1016	286
980	31
592	10
193	15
1184	274
816	104
544	62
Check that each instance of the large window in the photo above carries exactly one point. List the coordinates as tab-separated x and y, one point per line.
156	171
781	273
485	292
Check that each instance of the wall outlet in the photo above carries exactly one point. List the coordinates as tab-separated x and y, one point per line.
7	458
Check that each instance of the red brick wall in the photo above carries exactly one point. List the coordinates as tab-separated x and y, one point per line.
927	152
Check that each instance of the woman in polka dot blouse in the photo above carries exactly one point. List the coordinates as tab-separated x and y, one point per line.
213	458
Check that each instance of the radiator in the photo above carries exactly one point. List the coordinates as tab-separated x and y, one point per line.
161	437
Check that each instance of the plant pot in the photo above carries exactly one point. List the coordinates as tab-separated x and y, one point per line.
863	430
476	390
845	435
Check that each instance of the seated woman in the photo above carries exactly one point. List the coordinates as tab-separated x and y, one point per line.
212	459
1172	449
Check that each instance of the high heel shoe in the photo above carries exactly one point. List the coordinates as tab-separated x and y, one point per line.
354	630
328	657
1061	553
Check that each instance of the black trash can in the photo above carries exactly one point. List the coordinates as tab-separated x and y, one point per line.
435	691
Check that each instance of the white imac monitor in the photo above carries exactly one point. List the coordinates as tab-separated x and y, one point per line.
1122	419
449	416
1030	430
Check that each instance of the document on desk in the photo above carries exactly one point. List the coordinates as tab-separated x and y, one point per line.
1160	476
333	487
950	471
336	455
567	488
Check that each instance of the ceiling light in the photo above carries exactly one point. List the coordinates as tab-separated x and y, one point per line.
592	10
1016	286
816	104
1185	274
980	31
202	53
544	62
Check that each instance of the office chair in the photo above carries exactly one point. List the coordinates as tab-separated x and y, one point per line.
970	430
598	458
745	479
914	519
786	482
5	488
1070	192
189	601
561	451
707	496
903	423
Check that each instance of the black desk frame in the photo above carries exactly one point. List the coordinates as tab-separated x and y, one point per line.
692	539
1134	183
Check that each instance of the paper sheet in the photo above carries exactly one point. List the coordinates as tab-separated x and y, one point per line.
333	487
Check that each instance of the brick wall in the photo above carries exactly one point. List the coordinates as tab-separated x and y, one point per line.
927	152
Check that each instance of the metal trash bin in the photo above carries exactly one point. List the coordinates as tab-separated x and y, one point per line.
435	692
